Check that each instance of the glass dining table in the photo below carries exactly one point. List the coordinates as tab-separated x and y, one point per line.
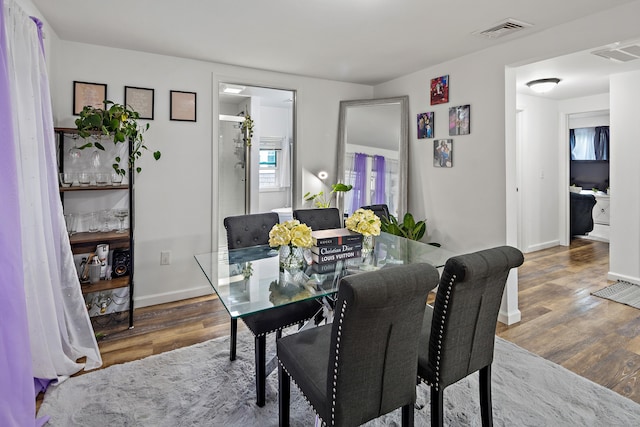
249	280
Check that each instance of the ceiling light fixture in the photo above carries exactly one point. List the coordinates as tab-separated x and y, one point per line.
233	89
323	175
543	85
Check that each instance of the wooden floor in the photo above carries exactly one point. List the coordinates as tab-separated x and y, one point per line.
561	321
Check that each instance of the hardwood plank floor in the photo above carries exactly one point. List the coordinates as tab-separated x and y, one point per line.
593	337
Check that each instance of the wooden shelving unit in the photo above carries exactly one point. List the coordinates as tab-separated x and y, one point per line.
85	242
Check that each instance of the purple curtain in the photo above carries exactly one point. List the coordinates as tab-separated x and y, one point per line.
17	401
380	194
360	186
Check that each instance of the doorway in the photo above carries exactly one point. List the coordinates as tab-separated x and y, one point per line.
255	177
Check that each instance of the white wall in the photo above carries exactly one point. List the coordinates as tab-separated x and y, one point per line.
465	205
624	249
539	172
176	198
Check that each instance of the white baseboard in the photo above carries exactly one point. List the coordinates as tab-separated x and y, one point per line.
615	276
509	318
156	299
541	246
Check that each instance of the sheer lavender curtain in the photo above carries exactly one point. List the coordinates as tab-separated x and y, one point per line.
53	319
380	195
17	403
359	182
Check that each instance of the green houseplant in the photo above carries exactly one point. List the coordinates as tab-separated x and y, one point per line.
322	201
121	124
247	129
408	228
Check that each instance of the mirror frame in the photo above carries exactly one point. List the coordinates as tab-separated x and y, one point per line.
403	155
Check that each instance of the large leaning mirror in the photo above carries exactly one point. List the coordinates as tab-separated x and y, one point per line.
373	142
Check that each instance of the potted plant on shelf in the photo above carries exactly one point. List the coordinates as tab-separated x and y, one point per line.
121	124
322	201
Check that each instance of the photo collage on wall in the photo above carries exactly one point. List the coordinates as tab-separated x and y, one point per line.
459	122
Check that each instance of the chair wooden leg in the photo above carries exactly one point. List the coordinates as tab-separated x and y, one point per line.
233	339
278	334
407	415
284	395
437	416
261	371
485	396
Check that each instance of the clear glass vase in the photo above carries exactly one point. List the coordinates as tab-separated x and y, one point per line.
291	258
367	246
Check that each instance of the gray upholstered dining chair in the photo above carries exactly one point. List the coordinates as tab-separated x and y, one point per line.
320	218
245	231
380	210
363	365
458	333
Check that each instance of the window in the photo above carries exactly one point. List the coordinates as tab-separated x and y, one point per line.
590	143
268	168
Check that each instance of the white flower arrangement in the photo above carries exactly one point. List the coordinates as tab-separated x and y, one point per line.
292	233
365	222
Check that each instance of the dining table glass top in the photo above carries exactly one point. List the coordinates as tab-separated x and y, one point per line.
249	280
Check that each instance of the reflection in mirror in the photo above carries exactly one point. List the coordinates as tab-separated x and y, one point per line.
373	140
255	176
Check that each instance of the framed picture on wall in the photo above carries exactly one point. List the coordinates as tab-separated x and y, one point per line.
425	125
182	106
88	94
440	90
460	120
443	153
140	100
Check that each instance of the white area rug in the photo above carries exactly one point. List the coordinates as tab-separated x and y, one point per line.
622	292
199	386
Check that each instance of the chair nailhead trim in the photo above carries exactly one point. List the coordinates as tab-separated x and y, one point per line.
335	370
444	318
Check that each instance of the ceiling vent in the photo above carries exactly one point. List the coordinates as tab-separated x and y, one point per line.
506	27
623	54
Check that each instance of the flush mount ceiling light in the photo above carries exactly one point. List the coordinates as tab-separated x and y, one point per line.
233	89
543	85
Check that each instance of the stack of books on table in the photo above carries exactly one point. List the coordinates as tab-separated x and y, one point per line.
331	246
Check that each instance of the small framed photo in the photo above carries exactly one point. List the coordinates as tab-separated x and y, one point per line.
440	90
140	100
88	94
182	106
460	120
443	153
425	125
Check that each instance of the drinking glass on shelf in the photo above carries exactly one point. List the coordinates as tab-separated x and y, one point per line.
116	179
121	214
102	179
84	178
107	215
70	222
66	179
93	222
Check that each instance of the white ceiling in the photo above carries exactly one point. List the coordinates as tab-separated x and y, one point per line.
360	41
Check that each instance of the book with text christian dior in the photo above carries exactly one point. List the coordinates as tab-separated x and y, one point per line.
328	250
335	237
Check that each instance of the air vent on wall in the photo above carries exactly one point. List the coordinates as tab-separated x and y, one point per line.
623	54
504	28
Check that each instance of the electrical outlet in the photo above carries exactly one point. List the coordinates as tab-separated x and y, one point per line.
165	257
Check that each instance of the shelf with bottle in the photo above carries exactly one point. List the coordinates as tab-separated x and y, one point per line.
105	285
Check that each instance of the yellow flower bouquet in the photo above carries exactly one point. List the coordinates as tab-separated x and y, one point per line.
365	222
292	238
290	232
